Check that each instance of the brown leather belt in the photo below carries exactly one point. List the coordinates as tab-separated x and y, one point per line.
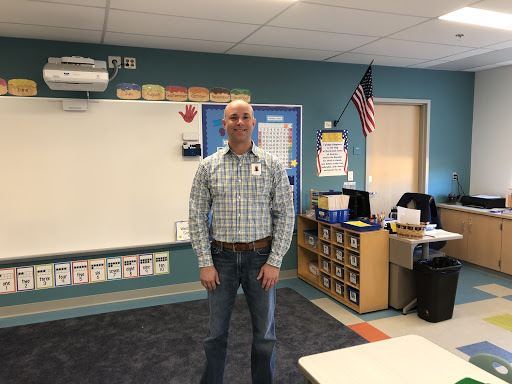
240	247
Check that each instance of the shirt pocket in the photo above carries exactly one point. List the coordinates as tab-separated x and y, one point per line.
261	187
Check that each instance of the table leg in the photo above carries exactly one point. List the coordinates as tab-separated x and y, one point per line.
409	306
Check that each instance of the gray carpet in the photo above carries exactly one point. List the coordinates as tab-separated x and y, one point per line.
162	344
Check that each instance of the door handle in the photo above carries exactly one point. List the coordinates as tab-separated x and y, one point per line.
463	226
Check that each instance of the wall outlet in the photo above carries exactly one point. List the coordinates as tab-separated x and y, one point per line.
130	63
111	61
454	176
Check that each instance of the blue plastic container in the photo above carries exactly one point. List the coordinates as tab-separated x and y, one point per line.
368	227
331	217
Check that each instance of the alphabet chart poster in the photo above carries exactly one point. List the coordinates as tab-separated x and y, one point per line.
62	274
277	130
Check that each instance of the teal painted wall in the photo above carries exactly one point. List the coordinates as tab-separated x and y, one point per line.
321	88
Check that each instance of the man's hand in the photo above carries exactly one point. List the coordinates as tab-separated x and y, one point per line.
209	277
270	276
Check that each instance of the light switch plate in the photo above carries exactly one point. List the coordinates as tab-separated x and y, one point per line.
350	175
328	124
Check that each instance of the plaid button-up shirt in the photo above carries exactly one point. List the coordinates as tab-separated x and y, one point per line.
250	198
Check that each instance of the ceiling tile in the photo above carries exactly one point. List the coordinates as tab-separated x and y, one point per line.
278	52
343	20
430	8
505	44
356	58
463	55
50	33
159	42
88	3
252	12
171	26
476	61
427	64
410	49
297	38
51	14
495	5
444	32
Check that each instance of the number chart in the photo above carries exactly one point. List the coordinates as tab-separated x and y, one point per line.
62	274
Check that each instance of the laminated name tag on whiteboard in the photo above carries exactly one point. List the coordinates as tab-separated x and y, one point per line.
182	232
408	216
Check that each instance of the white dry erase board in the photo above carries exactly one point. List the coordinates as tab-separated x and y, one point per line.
113	176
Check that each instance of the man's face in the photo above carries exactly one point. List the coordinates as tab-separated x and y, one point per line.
239	122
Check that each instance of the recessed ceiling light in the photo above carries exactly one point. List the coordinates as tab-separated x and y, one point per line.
480	17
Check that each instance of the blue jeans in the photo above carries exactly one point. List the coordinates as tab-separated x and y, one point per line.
235	268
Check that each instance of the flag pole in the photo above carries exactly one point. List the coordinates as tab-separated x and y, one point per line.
335	122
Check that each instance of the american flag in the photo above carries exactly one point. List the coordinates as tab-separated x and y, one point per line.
363	100
318	152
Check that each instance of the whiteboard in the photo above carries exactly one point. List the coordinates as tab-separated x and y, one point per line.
113	176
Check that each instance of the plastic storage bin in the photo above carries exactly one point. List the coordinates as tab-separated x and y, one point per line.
353	277
325	248
353	259
326	281
339	236
436	286
326	233
326	265
339	254
313	268
354	241
339	270
339	288
353	295
311	238
331	217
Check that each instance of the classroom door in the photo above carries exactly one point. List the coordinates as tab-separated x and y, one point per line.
392	155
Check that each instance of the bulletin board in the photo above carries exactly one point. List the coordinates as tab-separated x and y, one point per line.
113	176
278	130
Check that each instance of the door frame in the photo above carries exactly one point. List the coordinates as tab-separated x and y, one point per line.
423	154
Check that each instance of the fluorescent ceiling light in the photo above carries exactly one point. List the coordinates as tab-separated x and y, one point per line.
480	17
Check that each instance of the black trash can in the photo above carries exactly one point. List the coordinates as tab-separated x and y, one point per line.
436	286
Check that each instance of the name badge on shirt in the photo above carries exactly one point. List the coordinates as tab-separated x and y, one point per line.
256	169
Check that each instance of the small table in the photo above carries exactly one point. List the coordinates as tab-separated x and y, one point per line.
401	253
401	360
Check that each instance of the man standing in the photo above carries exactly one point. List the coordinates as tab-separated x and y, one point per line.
249	195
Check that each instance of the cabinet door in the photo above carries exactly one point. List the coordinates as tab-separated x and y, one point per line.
456	221
506	247
484	241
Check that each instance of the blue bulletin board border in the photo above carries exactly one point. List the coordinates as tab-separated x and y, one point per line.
214	136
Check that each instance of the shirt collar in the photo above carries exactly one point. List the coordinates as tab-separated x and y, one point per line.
254	149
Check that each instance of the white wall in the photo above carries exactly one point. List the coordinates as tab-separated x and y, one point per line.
491	150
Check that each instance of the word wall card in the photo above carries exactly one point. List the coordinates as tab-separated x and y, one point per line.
25	279
44	276
97	270
7	280
62	274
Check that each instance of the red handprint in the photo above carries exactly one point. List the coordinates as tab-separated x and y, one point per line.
190	113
